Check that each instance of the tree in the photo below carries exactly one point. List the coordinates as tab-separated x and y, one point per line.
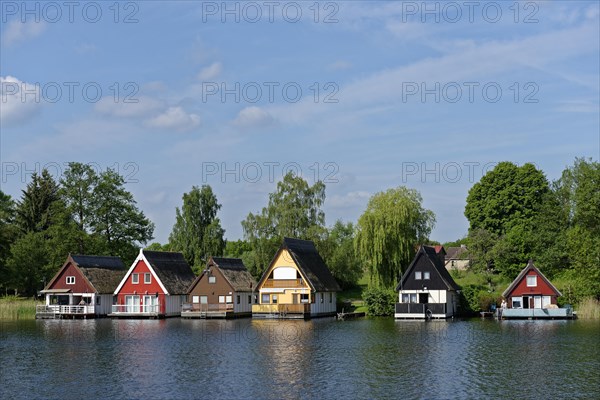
77	191
294	210
338	252
29	263
35	209
505	196
8	234
118	224
388	233
197	231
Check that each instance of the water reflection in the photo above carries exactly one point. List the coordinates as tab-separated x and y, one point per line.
323	358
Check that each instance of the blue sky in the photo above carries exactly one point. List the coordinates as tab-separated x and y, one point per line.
365	95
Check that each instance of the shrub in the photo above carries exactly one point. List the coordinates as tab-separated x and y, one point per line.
379	302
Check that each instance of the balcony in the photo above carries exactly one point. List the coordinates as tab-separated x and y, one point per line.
421	308
283	283
55	311
131	309
196	307
281	308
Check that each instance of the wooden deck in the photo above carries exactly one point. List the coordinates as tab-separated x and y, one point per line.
64	312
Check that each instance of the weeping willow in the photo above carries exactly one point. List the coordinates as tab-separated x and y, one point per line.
388	232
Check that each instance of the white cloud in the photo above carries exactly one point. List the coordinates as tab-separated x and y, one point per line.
210	72
253	117
17	31
175	118
19	101
144	107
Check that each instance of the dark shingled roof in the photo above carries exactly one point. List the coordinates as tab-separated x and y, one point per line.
433	257
454	252
172	270
312	266
235	272
519	278
103	272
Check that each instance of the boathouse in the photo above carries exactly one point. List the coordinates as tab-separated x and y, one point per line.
83	287
426	289
155	286
223	290
532	295
297	284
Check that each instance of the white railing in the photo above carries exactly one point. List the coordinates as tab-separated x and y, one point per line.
56	309
135	309
206	307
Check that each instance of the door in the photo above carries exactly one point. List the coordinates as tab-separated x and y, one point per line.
526	302
537	302
149	304
423	298
132	304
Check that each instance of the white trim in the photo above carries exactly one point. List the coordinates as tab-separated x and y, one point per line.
140	257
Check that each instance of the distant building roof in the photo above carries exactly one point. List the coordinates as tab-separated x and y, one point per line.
455	252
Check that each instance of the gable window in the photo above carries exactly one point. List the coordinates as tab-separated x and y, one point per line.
531	281
426	275
212	279
147	277
70	280
418	275
266	299
135	278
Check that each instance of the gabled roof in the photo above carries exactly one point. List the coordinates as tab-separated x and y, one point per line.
455	252
439	248
521	276
172	272
103	273
432	257
311	265
234	270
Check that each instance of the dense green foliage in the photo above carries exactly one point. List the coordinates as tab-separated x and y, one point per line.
337	249
197	232
294	210
83	214
388	232
380	301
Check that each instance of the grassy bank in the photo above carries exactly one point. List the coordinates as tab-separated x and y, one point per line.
589	308
17	308
353	296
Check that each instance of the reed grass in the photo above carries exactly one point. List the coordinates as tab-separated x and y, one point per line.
588	308
13	308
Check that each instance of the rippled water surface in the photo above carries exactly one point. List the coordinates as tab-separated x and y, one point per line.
368	358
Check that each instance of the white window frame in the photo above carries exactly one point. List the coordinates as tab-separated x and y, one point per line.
546	301
519	299
212	279
70	280
229	299
533	280
195	299
426	275
149	276
135	279
418	275
221	299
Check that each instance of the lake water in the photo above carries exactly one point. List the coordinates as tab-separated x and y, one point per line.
324	358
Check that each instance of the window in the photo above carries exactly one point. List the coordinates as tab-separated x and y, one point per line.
229	299
70	280
98	300
517	302
221	299
330	297
426	275
212	279
409	297
237	299
147	277
546	301
418	275
274	299
249	299
265	299
195	299
321	297
531	281
304	298
135	279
